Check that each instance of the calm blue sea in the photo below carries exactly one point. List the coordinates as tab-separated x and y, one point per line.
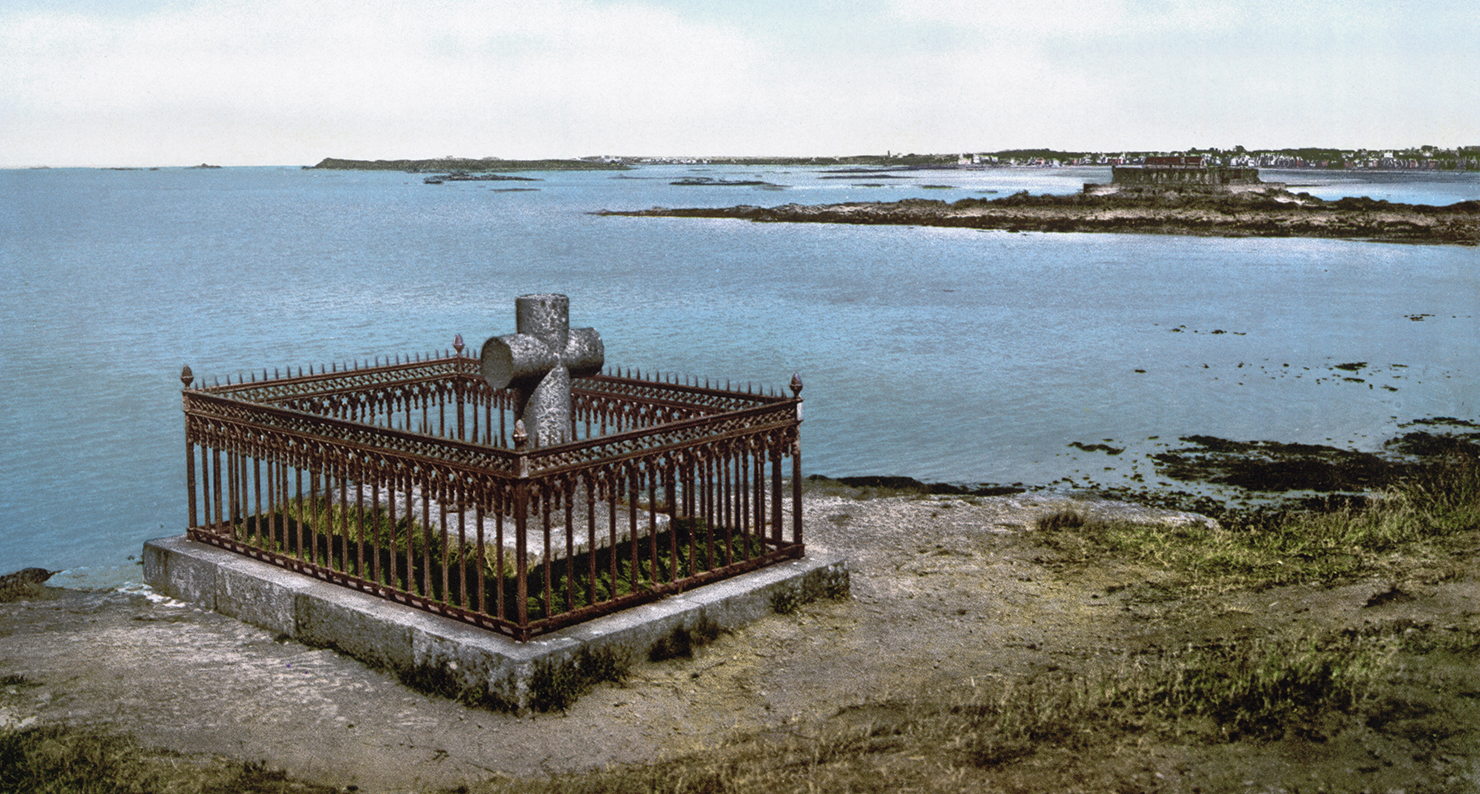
945	355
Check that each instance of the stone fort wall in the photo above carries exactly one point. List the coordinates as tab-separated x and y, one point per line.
1152	176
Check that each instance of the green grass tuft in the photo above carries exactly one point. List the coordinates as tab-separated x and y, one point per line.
1418	516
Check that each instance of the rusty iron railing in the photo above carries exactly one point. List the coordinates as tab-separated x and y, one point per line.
409	480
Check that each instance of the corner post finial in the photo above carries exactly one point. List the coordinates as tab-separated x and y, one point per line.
796	384
186	376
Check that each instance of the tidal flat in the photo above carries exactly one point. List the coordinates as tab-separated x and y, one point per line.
1272	213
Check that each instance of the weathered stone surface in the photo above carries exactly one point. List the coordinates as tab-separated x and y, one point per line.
539	362
402	639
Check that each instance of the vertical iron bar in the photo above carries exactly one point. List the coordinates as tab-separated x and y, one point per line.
590	484
462	544
742	475
280	483
706	493
313	513
670	494
298	504
271	515
501	509
521	548
611	516
759	492
631	480
569	495
482	558
549	596
233	510
461	409
205	484
776	493
796	490
426	528
216	481
343	517
190	477
446	542
257	494
725	515
652	525
360	515
408	482
375	529
688	511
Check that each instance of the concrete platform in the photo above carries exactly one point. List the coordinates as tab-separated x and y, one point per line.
409	641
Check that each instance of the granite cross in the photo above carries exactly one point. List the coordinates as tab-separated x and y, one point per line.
539	361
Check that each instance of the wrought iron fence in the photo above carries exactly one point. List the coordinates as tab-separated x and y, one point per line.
409	480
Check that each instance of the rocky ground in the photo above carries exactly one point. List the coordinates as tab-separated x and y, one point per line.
948	591
1276	213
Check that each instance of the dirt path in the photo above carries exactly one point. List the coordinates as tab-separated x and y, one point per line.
945	589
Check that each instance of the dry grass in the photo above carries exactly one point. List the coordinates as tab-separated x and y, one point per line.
1055	729
58	759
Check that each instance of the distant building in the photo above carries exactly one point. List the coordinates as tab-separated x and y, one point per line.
1157	174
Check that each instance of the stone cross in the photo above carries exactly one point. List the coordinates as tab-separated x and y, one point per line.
539	362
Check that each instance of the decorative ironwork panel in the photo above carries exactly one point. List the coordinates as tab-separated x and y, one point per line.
399	480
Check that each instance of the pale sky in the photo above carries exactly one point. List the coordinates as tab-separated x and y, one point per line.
289	82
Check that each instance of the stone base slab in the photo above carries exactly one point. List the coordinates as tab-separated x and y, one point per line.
407	640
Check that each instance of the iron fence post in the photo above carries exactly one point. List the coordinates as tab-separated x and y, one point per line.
186	377
796	463
521	524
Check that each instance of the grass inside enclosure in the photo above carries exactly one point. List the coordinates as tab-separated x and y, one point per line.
403	553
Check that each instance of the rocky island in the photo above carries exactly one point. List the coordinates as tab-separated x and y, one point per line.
1274	212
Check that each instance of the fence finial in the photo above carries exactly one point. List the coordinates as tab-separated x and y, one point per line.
521	436
186	376
796	384
457	344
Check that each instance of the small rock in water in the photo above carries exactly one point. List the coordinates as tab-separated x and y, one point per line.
25	583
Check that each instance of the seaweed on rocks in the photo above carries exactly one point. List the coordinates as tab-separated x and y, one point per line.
1271	466
1421	444
1270	213
914	486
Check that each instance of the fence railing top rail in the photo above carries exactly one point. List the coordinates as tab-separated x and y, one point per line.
277	389
714	414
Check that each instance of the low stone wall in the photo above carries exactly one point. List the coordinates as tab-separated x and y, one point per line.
410	641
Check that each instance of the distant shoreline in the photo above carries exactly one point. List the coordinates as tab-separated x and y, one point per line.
1275	213
464	164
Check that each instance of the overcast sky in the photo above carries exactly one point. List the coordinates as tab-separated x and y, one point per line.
287	82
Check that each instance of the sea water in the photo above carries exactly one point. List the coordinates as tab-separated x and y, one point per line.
941	354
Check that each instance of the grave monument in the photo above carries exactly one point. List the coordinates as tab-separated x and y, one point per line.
379	508
538	363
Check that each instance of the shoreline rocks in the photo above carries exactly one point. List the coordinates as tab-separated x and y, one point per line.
25	583
1273	213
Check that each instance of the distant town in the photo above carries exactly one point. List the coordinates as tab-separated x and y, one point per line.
1421	158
